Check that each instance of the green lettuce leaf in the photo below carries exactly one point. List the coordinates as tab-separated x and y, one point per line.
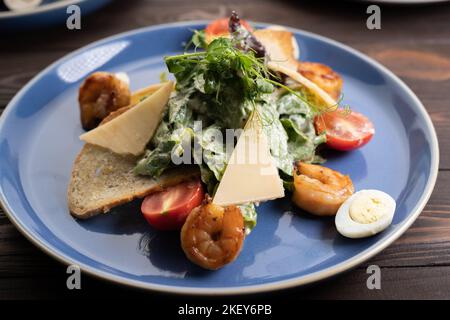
249	214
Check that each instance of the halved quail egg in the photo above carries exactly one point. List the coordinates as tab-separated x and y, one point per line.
365	213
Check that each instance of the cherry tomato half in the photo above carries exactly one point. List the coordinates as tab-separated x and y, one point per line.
345	131
219	27
168	209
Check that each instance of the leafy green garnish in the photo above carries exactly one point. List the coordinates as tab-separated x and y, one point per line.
222	66
298	122
198	40
157	160
249	214
277	136
221	87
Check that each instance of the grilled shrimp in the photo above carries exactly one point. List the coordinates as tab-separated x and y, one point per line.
320	190
212	236
99	95
323	76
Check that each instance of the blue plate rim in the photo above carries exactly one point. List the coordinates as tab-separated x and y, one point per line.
248	289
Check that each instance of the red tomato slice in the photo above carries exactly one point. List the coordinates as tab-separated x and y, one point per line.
219	27
345	131
168	209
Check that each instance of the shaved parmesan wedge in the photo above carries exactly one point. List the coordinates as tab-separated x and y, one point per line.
130	132
323	97
279	45
295	46
250	175
139	95
282	49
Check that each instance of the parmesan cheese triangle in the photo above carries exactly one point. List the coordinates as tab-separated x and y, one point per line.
279	46
140	94
130	132
251	175
281	51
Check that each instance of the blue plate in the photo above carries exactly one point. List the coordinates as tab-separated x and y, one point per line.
39	141
48	13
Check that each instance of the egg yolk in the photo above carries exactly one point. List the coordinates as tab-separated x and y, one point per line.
367	209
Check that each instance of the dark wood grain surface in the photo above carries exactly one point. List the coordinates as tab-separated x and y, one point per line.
414	43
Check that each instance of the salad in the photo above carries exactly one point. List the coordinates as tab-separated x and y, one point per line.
243	122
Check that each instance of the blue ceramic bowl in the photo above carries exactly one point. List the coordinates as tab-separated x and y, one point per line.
39	141
50	12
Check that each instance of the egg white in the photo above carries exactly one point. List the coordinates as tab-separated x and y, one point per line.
352	229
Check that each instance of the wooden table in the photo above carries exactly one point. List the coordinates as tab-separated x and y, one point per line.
414	42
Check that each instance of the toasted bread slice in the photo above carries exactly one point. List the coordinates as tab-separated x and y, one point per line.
279	45
102	180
